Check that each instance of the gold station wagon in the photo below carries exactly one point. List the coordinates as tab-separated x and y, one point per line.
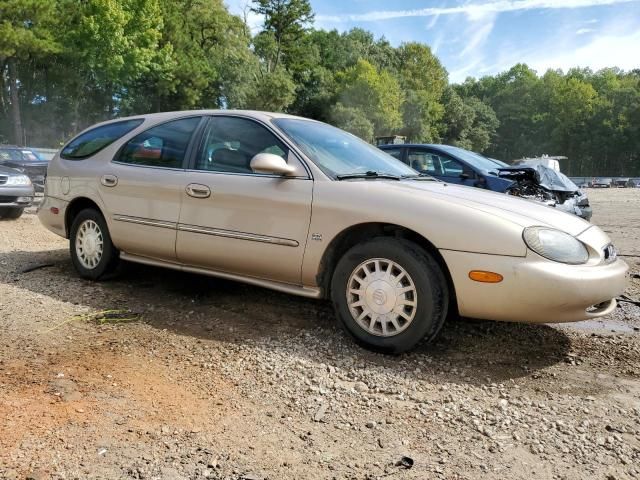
302	207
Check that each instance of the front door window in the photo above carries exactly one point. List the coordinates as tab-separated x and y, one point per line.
229	144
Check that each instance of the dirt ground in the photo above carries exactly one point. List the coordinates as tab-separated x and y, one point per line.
204	378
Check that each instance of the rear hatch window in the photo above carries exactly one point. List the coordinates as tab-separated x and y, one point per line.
94	140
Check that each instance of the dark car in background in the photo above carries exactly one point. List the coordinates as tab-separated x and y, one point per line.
26	161
16	193
601	183
457	165
621	182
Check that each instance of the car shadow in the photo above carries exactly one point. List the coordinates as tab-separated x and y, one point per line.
466	351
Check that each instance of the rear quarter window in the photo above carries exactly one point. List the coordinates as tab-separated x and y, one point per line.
94	140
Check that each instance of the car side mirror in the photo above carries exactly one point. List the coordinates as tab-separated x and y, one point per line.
464	176
271	164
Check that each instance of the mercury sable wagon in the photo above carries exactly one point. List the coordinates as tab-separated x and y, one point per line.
302	207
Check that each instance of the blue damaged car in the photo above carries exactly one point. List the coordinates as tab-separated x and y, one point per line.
457	165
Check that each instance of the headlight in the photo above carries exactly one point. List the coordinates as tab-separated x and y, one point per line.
18	180
555	245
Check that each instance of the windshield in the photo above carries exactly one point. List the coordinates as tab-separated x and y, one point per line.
475	159
337	152
19	155
30	156
10	154
500	163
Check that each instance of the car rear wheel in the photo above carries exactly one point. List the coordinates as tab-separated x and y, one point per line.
92	251
11	213
389	294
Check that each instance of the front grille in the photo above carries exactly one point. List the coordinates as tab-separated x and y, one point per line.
7	199
3	179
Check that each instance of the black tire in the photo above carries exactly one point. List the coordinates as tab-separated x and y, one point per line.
430	286
110	255
11	213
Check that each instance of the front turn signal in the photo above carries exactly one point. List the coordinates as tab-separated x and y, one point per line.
485	277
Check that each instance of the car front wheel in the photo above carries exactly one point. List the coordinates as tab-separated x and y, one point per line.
389	294
11	213
92	251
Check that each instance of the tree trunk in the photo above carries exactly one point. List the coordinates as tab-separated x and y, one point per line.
16	116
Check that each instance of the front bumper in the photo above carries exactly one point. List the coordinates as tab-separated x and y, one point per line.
19	196
535	290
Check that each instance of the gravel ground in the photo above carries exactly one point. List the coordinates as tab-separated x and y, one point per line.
204	378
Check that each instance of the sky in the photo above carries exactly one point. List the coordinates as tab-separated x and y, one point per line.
484	37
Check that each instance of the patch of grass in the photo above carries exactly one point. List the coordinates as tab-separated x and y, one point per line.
103	317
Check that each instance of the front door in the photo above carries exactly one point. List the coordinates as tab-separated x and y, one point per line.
236	221
441	166
142	189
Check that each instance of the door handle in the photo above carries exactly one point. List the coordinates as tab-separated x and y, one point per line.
109	180
196	190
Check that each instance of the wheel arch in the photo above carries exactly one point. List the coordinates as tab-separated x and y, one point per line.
359	233
74	208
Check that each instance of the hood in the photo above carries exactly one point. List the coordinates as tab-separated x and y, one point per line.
4	170
523	212
26	163
544	176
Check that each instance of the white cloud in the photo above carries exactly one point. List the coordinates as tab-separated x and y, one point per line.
242	8
459	74
435	45
602	51
433	21
473	10
613	45
582	31
477	35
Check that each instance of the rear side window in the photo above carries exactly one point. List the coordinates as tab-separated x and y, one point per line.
96	139
161	146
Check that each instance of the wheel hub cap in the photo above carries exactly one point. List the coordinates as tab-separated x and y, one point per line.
382	297
89	244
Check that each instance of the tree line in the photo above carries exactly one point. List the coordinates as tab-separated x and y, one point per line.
66	64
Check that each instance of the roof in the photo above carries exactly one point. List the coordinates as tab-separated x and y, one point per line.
187	113
430	145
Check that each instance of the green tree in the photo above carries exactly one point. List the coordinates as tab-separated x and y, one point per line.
25	33
424	80
107	47
202	60
570	105
353	120
375	93
468	122
271	91
285	23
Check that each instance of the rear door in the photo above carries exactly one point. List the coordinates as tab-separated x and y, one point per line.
142	188
236	221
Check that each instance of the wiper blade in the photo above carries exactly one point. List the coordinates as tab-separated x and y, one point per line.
369	174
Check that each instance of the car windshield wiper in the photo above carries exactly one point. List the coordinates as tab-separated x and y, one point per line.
369	174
